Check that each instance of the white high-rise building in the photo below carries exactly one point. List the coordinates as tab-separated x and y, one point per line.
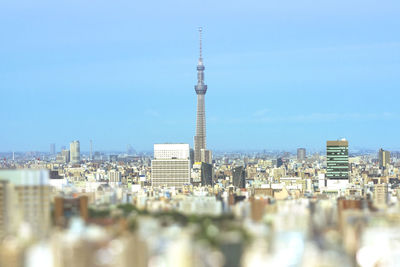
75	152
171	165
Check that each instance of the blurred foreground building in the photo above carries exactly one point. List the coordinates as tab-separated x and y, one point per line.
24	201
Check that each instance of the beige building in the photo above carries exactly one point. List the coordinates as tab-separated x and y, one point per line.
75	152
380	194
384	158
25	200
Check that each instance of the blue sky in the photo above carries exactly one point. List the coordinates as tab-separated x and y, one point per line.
281	74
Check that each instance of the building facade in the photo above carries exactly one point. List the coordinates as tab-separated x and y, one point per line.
384	158
337	160
171	165
52	149
25	199
75	151
301	154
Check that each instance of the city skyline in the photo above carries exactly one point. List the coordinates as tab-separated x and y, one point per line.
273	86
114	153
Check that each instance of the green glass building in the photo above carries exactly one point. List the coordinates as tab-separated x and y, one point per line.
337	159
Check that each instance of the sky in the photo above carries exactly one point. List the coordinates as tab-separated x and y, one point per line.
280	74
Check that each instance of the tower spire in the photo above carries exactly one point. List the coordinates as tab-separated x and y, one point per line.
200	88
201	48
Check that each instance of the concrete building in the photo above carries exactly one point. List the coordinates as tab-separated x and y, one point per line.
63	156
66	208
5	220
337	161
380	196
52	149
91	150
202	174
25	200
114	176
206	156
75	152
384	158
171	165
239	177
279	162
301	154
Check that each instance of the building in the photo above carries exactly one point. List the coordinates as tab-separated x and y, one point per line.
171	165
239	177
25	200
380	196
114	176
202	174
279	162
384	158
66	208
301	154
63	156
91	150
52	149
5	222
191	157
75	152
200	137
206	174
66	156
206	156
113	158
337	161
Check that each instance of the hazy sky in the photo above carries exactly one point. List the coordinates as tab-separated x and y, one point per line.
280	74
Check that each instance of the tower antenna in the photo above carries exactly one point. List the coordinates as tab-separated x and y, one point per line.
200	32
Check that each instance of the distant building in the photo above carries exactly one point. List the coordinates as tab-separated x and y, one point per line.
301	154
52	149
75	152
337	160
171	165
130	150
384	158
206	156
63	156
91	150
279	162
113	158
